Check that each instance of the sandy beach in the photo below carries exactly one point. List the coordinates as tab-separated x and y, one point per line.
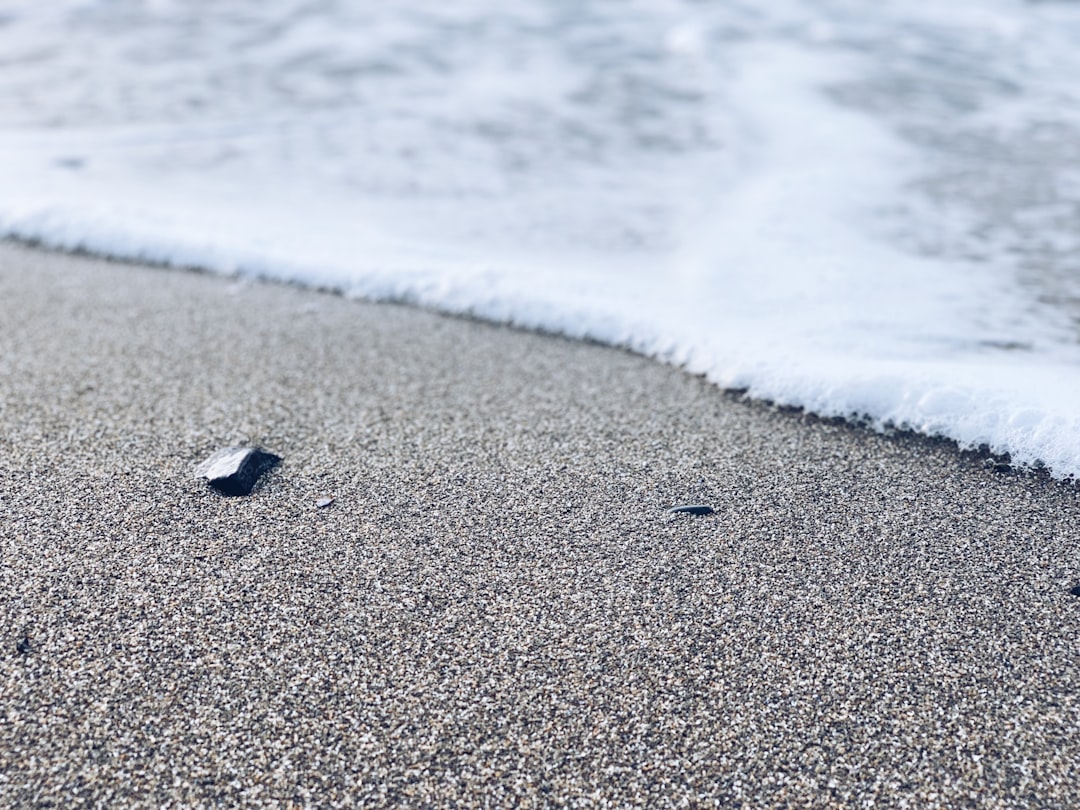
497	608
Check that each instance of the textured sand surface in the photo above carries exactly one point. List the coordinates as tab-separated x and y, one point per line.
496	609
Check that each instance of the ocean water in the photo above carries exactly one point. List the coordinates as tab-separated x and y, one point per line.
862	209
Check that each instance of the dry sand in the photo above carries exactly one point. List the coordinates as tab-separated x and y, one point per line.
497	608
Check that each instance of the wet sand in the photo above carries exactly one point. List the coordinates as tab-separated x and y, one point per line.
497	608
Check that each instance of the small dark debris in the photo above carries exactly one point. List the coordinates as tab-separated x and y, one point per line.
23	646
691	509
234	470
322	503
1075	591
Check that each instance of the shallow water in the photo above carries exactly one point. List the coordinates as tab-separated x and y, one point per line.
858	212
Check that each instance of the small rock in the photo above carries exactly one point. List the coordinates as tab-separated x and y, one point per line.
1075	591
234	470
691	509
322	503
23	646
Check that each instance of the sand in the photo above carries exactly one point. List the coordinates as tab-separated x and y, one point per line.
496	609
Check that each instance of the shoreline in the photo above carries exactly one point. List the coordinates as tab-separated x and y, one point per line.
497	607
998	462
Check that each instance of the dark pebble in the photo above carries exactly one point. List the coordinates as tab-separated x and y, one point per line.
1075	591
23	646
691	509
234	470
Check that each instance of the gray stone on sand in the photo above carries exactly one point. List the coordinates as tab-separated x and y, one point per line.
234	470
691	509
